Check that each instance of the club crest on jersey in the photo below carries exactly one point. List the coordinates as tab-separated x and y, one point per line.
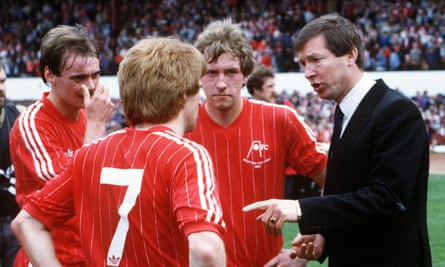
257	154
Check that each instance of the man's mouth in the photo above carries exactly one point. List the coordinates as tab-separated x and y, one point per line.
315	85
220	95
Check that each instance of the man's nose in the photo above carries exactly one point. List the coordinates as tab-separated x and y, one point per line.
308	71
221	81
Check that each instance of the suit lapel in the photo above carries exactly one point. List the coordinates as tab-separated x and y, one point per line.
358	121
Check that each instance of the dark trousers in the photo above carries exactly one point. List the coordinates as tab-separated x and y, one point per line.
8	243
300	186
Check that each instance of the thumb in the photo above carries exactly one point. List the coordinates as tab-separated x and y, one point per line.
298	240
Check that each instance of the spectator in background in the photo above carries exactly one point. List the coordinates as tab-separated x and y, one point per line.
143	196
380	60
115	25
414	58
394	59
423	100
45	137
432	57
9	245
261	86
251	143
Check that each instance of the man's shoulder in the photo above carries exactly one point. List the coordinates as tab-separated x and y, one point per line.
390	95
12	110
11	106
273	109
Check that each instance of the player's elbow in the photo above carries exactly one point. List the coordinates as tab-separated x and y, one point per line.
206	249
24	223
18	223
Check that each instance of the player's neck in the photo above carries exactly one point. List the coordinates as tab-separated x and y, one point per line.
64	108
174	125
224	117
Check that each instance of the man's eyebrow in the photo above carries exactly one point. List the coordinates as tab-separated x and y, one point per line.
82	75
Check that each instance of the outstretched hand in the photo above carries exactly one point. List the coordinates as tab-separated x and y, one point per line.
276	212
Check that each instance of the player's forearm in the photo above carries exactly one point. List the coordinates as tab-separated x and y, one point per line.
206	249
35	239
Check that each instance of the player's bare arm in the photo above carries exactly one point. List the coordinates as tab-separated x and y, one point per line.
37	242
206	249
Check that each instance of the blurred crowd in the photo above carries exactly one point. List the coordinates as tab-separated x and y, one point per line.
398	34
319	114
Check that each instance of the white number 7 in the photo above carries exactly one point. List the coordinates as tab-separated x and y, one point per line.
122	177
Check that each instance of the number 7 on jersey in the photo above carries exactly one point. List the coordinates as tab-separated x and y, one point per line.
132	178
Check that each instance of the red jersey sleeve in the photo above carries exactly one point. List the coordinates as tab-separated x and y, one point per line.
53	204
304	153
196	203
41	143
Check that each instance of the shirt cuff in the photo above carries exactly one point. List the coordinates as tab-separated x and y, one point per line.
298	208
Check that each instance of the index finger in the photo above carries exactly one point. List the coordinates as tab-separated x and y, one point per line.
259	205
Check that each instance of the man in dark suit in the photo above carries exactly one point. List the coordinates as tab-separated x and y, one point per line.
373	212
9	245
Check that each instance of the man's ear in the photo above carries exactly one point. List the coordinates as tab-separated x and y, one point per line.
49	76
352	55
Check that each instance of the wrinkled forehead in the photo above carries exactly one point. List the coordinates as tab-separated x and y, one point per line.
224	61
76	62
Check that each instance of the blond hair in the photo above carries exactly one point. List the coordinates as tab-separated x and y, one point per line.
223	36
154	76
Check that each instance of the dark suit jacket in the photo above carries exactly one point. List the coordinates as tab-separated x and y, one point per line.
373	212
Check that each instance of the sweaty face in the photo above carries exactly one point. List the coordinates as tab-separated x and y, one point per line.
66	89
325	72
223	82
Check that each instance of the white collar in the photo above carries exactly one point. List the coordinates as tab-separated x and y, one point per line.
351	101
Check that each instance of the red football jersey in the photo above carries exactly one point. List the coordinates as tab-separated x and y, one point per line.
250	158
137	194
41	142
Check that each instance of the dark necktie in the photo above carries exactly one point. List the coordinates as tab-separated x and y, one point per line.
338	122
